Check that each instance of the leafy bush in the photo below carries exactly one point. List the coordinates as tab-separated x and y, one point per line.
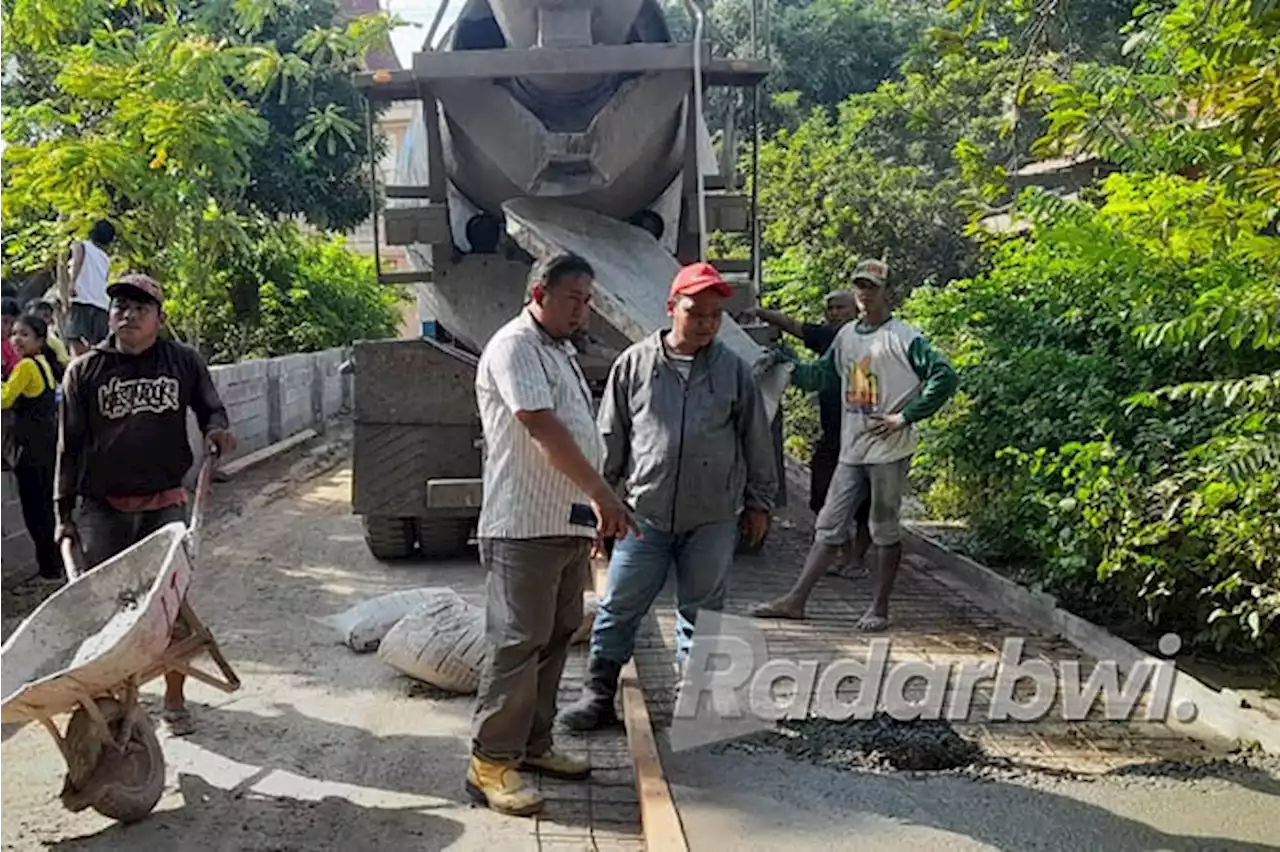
284	292
1116	432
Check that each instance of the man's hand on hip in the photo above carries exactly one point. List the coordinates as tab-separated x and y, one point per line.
884	425
755	523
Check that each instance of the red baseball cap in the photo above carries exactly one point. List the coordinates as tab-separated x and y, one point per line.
138	286
695	278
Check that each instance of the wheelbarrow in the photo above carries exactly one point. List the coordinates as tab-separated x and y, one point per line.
89	648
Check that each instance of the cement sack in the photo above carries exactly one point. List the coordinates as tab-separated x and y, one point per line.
364	625
442	643
590	606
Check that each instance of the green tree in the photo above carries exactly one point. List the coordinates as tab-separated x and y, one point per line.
188	124
1118	435
822	51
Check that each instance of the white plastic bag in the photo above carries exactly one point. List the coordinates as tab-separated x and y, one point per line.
442	643
364	625
590	605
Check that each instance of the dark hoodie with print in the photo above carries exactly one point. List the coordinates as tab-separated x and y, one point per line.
123	421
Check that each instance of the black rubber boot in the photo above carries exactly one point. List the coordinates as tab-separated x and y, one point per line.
594	710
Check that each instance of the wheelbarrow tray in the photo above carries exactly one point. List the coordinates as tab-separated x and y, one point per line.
97	632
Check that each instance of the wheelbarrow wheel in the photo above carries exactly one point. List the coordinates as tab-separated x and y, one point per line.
124	786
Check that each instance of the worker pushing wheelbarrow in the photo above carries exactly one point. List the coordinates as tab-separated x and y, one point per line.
123	455
90	647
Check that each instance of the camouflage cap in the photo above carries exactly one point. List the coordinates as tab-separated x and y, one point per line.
875	271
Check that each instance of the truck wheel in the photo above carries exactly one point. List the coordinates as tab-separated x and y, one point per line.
444	537
389	537
124	786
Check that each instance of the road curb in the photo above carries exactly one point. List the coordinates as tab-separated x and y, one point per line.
659	819
250	460
1219	713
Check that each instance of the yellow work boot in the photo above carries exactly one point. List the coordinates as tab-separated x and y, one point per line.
555	764
500	787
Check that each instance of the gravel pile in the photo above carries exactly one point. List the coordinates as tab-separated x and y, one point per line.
879	743
884	744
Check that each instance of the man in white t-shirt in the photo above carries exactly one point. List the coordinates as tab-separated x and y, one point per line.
544	503
890	379
90	270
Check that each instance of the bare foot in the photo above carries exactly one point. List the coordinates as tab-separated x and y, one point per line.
872	623
780	608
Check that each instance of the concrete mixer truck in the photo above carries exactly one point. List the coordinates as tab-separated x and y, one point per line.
540	126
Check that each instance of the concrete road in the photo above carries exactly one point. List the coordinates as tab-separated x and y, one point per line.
767	802
322	749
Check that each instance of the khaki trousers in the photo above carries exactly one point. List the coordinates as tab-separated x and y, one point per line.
534	606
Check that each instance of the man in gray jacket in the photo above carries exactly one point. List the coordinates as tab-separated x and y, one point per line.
688	443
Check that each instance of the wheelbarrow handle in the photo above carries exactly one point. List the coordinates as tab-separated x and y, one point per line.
72	558
204	485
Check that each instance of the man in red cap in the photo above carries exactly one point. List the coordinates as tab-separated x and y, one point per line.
688	445
122	443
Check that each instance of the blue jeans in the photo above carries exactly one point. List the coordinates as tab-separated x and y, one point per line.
637	572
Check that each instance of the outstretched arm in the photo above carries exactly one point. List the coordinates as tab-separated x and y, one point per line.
777	319
817	376
210	413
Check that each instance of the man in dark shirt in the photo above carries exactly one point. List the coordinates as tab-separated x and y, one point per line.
122	443
838	308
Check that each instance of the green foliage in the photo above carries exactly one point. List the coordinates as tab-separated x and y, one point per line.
1117	425
188	124
822	51
311	293
829	200
1116	439
1201	90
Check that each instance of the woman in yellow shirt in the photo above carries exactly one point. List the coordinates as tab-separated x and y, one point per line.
32	440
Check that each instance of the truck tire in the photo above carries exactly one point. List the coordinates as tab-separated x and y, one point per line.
121	786
440	538
389	537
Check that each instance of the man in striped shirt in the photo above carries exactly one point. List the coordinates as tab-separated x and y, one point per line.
544	503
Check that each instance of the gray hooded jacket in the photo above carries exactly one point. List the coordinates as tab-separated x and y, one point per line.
686	454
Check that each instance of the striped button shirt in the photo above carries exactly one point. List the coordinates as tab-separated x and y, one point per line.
524	369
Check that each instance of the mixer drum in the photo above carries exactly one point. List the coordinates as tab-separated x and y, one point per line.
610	143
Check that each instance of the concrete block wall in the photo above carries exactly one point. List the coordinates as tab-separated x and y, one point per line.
277	398
245	389
291	378
267	401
